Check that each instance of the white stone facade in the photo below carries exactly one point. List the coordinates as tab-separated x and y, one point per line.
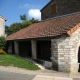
65	52
2	26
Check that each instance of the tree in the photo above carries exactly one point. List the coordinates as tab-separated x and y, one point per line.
2	42
17	26
14	27
33	20
23	17
26	23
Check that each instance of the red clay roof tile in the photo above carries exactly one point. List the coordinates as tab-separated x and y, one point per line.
48	28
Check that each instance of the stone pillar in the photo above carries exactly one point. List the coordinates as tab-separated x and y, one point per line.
64	54
34	53
16	47
54	53
10	48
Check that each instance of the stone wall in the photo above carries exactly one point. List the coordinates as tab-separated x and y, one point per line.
2	27
65	52
63	7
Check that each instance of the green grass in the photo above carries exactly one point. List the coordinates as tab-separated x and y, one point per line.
9	60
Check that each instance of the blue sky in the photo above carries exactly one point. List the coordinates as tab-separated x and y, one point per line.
12	9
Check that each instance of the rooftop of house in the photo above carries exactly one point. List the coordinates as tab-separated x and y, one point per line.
46	5
3	18
56	26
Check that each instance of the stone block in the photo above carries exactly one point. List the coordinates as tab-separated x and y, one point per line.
61	55
66	57
61	46
61	60
74	67
47	64
67	60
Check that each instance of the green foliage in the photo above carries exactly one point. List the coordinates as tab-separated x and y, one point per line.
2	43
23	17
26	23
14	27
33	20
17	26
8	60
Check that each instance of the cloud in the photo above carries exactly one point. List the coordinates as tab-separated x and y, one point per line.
34	13
25	6
29	6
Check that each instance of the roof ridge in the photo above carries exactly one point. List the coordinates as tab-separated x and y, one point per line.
60	16
3	18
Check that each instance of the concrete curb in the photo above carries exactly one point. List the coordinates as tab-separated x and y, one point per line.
41	77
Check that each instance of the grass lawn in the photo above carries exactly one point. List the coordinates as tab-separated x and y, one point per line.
9	60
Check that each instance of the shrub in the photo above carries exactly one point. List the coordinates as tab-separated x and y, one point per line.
2	51
2	43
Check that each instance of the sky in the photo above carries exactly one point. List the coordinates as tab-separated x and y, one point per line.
12	9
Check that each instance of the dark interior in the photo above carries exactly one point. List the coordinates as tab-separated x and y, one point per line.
25	49
79	58
43	50
79	55
13	50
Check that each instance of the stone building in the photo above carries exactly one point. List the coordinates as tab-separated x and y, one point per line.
59	7
2	26
55	41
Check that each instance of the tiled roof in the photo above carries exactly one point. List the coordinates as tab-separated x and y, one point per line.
3	18
49	28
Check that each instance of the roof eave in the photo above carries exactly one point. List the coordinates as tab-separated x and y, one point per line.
3	18
46	6
73	29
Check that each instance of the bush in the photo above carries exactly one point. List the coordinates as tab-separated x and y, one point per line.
2	43
2	51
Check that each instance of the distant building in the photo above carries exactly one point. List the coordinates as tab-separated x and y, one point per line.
59	7
2	26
